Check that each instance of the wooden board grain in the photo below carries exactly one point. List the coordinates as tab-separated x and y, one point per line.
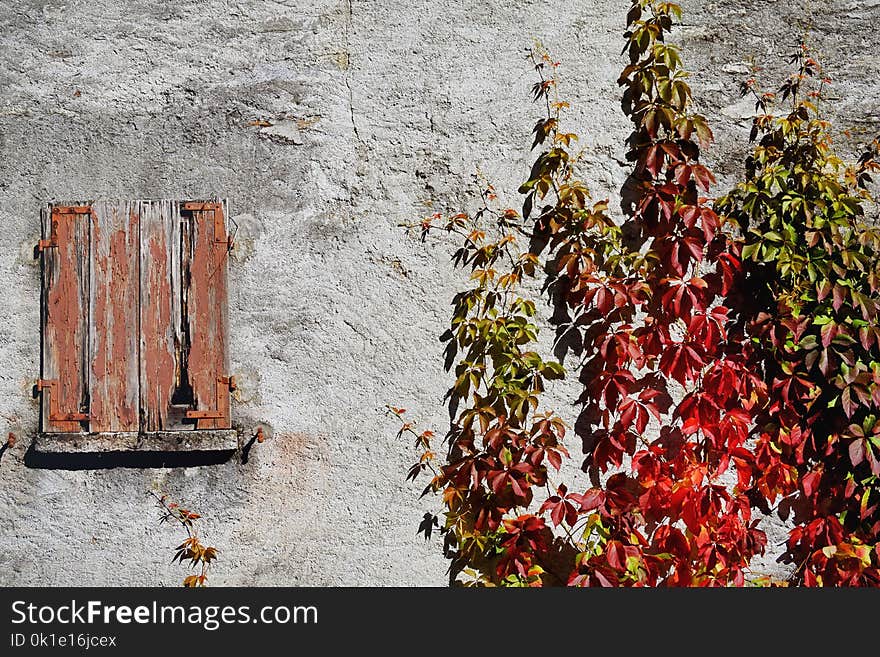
206	299
113	313
162	343
65	318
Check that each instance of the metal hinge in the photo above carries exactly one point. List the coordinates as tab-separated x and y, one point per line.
220	236
52	242
215	414
54	414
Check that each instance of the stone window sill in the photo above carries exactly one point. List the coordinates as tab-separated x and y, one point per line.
154	441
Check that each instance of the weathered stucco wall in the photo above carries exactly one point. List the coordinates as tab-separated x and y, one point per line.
380	112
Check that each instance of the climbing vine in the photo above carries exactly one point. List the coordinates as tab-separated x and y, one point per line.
710	388
502	443
813	277
664	349
192	550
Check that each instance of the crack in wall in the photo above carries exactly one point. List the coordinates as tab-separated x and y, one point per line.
349	24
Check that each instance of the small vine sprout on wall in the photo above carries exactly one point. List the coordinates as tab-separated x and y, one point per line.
200	556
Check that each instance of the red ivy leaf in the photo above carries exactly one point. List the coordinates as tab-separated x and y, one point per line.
590	500
857	451
616	555
810	482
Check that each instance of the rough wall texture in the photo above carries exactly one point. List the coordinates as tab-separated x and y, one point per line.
380	111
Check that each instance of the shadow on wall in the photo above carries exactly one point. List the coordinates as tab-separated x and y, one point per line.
107	460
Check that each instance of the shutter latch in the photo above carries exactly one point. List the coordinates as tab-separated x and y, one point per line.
220	236
54	414
215	414
56	212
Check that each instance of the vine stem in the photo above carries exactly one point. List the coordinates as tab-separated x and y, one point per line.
170	512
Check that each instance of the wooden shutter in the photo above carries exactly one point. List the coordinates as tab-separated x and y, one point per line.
184	367
134	320
64	378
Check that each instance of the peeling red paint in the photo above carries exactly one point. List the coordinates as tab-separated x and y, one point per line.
159	357
115	286
208	318
65	328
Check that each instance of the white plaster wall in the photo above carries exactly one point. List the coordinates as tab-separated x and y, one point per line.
381	113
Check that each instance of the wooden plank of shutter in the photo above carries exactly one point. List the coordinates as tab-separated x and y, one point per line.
204	267
113	326
165	388
64	383
183	317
